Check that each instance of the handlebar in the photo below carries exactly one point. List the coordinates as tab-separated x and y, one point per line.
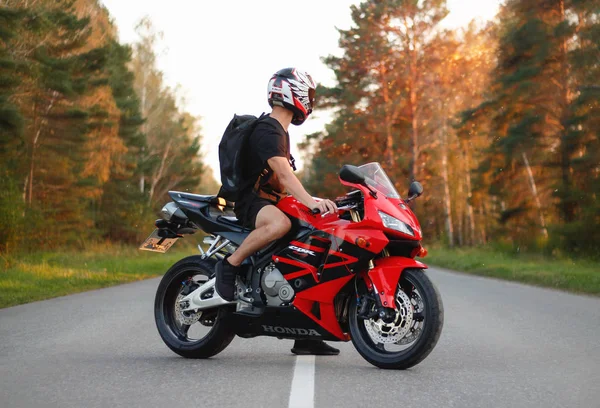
316	211
338	202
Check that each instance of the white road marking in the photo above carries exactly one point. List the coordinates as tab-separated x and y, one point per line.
302	394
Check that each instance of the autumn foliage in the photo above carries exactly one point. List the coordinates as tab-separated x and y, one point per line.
499	122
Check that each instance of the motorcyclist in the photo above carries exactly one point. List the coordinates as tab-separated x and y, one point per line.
291	94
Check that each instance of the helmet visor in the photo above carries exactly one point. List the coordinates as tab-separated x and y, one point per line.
311	98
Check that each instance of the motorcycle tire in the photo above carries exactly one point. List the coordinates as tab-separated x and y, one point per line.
431	330
221	333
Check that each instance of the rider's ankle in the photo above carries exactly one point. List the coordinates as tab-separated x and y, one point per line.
228	261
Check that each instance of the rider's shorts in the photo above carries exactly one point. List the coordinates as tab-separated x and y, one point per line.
248	208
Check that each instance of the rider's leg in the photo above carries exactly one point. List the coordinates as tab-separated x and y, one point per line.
271	224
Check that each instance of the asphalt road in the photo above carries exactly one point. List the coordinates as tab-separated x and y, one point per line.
503	345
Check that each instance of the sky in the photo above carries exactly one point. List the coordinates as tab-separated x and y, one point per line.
222	53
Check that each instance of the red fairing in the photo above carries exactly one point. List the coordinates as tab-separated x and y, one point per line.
332	224
392	206
386	274
323	294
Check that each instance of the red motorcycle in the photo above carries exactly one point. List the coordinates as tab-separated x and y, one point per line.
336	277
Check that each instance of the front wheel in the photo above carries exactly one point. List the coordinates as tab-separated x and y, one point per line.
193	335
413	333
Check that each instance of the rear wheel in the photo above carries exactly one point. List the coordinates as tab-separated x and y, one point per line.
191	335
414	331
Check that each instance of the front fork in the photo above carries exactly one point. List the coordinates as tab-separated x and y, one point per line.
382	282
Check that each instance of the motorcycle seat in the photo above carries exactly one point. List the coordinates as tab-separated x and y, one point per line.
233	221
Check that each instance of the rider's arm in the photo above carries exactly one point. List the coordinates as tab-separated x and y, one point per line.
281	167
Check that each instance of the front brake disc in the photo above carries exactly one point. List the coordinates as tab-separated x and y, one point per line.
389	333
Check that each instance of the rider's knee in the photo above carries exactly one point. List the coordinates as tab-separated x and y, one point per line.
279	226
286	225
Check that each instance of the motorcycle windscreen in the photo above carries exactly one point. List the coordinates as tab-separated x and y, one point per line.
376	178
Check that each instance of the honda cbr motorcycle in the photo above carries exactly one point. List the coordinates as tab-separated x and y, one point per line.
349	276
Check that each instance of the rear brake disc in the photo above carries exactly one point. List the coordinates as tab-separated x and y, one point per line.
187	318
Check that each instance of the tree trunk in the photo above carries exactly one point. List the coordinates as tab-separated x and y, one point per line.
459	211
567	205
389	141
470	215
447	200
144	126
482	214
34	145
412	83
536	197
142	178
414	131
25	185
30	177
158	175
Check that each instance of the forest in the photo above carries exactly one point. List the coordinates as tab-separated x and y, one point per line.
500	122
91	138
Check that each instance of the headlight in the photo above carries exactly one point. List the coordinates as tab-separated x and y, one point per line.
395	224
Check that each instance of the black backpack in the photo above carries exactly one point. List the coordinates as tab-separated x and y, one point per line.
231	156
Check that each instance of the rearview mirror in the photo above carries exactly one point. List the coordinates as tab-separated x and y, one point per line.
352	174
415	190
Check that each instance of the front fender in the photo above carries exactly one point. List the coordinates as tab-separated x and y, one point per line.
386	274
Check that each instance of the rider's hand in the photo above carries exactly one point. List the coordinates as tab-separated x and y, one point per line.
325	206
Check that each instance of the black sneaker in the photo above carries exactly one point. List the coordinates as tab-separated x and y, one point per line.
314	347
225	279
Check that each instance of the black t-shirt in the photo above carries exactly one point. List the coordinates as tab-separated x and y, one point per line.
268	140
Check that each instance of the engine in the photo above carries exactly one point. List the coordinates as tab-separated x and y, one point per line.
276	289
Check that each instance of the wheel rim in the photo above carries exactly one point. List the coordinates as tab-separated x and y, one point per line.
187	327
406	329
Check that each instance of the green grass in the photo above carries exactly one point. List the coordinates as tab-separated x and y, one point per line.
46	275
582	276
39	276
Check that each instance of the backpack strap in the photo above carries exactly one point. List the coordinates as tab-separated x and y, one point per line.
266	191
261	117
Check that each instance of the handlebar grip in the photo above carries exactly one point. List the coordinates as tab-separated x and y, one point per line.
315	211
